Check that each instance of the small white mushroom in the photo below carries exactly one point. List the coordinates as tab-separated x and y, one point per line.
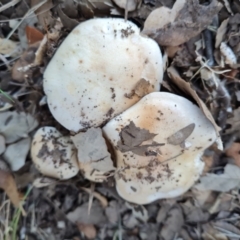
103	67
158	146
54	155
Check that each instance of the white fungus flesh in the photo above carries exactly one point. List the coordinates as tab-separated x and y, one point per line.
54	155
158	146
103	67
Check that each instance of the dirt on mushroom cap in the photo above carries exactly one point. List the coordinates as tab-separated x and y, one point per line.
53	154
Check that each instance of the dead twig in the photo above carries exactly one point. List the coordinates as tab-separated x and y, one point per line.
8	5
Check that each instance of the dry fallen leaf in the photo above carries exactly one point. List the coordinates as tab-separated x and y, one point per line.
194	214
14	126
187	89
67	22
221	32
172	224
2	144
225	226
43	13
165	205
43	182
162	16
16	153
94	159
9	48
80	214
112	211
228	54
88	230
181	135
234	122
23	64
234	152
192	19
132	137
210	233
8	184
225	182
33	35
138	211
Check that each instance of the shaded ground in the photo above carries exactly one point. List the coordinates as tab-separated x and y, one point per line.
202	43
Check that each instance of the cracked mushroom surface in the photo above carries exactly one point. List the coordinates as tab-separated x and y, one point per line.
158	146
103	67
54	155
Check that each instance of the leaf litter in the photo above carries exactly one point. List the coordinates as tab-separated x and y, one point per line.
132	139
202	43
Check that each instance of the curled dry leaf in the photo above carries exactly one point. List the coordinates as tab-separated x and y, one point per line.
186	88
221	32
189	21
67	22
33	35
8	184
43	13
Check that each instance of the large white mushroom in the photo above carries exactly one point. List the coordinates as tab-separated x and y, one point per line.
103	67
158	146
106	72
54	155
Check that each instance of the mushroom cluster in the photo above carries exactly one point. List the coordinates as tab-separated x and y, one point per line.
103	85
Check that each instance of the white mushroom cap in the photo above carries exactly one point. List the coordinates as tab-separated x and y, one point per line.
158	146
53	154
102	68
